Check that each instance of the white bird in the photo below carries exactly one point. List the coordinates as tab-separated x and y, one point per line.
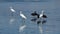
22	15
23	25
42	15
12	9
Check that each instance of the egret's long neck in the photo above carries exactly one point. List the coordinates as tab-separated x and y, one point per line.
42	12
10	7
20	12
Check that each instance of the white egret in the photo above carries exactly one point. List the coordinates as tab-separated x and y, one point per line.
11	8
12	11
22	15
42	15
24	18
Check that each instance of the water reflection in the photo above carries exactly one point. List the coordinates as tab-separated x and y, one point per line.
21	28
11	20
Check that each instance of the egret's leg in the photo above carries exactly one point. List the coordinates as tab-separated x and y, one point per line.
11	13
23	23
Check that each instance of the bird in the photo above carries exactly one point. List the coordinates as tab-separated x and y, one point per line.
41	21
34	14
42	15
22	15
23	25
11	8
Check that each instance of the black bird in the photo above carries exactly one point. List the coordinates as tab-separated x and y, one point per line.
38	16
34	14
44	16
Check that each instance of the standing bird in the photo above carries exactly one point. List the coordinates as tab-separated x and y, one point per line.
24	18
12	10
22	15
34	14
42	15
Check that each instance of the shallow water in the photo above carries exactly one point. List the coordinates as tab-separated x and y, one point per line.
50	27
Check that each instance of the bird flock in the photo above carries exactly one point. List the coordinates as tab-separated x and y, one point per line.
40	18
